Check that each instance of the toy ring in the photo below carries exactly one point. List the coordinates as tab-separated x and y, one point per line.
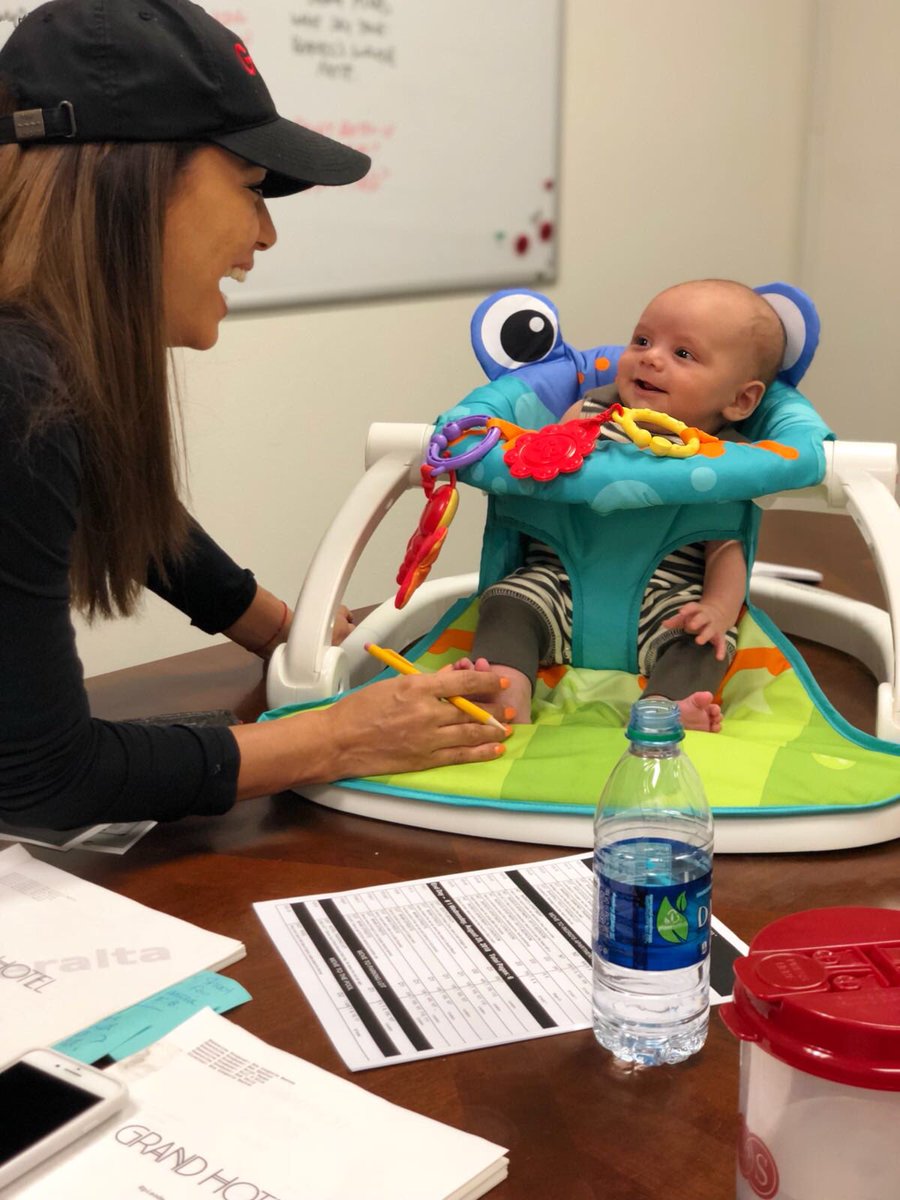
628	419
438	460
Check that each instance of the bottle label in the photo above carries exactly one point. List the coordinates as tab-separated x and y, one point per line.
662	922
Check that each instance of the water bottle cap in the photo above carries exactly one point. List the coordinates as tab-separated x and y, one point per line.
655	720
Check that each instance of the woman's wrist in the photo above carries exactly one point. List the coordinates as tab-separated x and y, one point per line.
285	753
264	626
266	649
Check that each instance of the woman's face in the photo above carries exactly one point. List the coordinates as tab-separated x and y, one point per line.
215	221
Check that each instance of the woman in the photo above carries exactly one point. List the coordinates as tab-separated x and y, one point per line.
139	144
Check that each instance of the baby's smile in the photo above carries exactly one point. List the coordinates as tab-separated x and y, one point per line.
646	387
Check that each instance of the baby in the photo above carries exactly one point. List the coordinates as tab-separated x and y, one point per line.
703	352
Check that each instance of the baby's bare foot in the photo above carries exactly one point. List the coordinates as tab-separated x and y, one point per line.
699	712
515	703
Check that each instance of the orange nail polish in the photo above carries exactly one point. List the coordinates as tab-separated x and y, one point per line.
504	682
508	714
499	749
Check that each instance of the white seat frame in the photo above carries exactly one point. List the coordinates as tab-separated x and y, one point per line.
860	482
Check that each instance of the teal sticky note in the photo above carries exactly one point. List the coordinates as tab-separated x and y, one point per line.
141	1024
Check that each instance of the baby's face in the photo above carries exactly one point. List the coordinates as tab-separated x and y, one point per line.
688	356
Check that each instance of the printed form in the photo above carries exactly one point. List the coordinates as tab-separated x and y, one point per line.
433	966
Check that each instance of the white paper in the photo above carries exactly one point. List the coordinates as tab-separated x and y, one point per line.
215	1111
115	838
71	952
414	970
109	839
53	839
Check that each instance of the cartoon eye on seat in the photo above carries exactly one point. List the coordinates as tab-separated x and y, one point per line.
515	328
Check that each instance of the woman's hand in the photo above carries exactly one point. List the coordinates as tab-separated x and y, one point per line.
343	625
406	724
402	724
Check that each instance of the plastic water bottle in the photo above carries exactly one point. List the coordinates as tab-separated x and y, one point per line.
653	836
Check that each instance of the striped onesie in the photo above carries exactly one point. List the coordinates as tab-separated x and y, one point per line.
525	620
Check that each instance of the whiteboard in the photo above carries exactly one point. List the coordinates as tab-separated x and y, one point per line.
457	103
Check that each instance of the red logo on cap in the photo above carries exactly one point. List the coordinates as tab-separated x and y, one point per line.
243	57
756	1163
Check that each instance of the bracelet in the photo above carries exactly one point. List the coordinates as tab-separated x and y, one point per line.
276	636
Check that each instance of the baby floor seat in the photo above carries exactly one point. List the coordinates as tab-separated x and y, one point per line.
787	772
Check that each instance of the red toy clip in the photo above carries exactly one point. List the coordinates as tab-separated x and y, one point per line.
427	542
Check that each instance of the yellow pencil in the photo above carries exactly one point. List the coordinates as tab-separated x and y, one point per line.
391	658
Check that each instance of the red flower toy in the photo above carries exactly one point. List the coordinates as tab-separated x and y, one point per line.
542	454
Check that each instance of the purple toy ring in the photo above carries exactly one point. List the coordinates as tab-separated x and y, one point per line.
435	456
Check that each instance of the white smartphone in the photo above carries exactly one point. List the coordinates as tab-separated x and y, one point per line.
48	1100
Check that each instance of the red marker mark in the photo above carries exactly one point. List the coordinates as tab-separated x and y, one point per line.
521	244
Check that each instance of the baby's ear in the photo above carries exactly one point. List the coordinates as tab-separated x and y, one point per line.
746	401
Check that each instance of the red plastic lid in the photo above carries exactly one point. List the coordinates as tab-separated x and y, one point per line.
820	990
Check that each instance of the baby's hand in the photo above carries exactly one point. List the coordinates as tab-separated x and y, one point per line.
704	620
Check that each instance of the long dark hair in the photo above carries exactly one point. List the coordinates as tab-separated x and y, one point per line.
81	243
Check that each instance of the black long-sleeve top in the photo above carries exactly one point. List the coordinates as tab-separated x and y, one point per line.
59	768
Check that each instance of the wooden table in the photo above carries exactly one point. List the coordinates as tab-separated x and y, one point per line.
578	1126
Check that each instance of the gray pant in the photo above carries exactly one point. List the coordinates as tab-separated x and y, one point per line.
512	632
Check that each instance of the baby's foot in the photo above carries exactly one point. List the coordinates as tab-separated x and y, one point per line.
699	712
515	703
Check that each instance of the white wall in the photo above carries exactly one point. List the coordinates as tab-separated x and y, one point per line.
684	134
850	251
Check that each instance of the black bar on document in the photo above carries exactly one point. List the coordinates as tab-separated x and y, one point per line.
543	905
722	957
392	1001
504	971
360	1004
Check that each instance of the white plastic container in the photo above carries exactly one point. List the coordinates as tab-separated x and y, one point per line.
817	1008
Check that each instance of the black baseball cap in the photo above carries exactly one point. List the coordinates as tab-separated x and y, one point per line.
157	71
